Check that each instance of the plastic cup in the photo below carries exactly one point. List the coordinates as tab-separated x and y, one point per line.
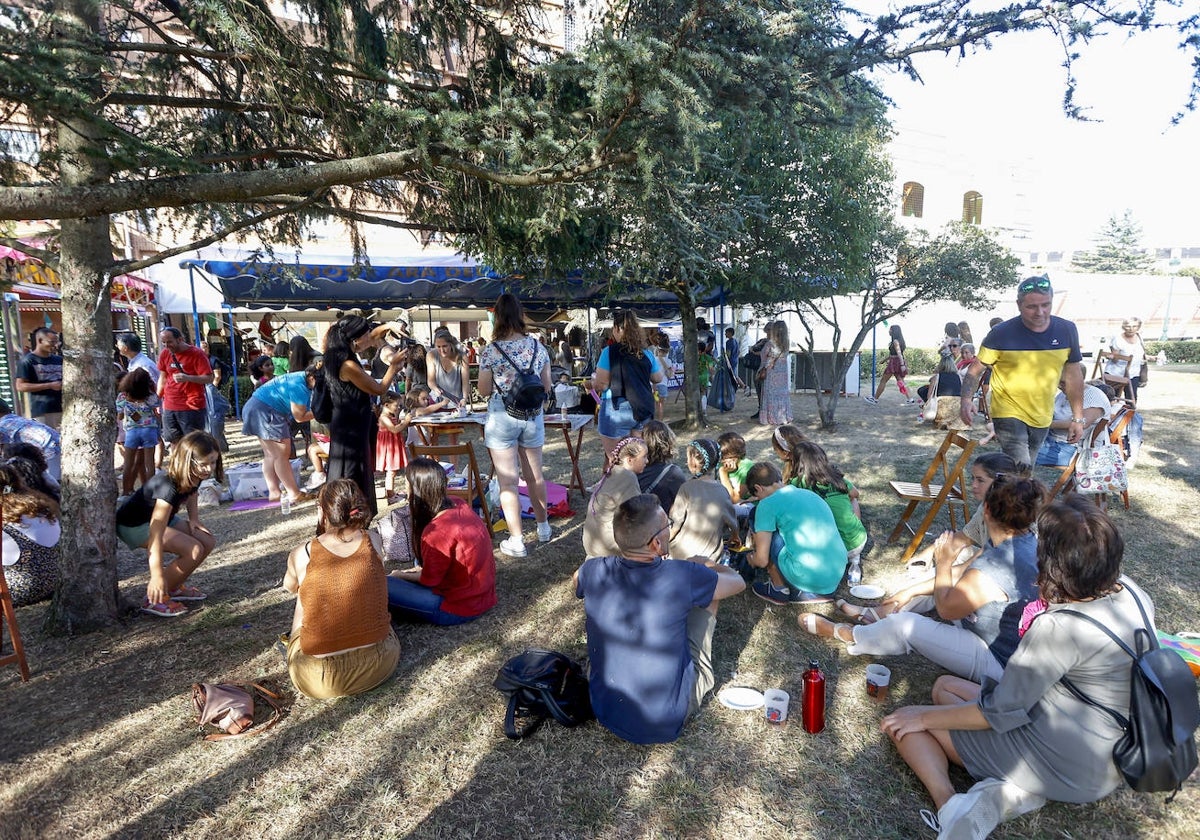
462	409
878	680
775	705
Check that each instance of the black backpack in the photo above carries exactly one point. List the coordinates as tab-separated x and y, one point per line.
541	684
321	404
1157	752
527	396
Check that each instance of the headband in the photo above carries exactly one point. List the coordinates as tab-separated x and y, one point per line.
703	453
781	440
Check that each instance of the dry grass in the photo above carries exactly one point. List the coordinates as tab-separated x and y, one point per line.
101	742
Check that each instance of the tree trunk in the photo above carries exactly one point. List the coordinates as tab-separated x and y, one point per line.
87	596
693	415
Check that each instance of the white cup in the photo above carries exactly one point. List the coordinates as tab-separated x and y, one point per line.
462	409
878	680
775	705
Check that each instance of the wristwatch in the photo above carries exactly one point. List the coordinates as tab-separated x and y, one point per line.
1078	420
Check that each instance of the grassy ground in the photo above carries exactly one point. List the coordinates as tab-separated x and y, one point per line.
102	743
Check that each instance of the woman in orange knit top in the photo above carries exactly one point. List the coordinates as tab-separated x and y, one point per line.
342	641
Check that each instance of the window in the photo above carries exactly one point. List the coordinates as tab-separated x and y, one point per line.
1189	253
914	200
1162	253
972	208
20	145
1054	256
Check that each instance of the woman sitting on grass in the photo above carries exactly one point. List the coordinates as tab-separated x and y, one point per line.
342	642
618	484
702	517
31	534
812	470
148	520
983	599
1026	735
662	476
456	579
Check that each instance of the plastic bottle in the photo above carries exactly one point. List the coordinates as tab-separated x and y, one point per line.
813	704
854	574
285	503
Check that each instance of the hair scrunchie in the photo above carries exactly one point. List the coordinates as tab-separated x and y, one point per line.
781	440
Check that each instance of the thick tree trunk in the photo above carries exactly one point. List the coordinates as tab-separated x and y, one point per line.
87	597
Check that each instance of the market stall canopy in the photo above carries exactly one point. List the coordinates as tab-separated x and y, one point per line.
443	281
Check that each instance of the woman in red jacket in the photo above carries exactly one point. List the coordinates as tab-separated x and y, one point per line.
456	579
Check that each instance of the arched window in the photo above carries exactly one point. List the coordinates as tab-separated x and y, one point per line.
914	200
972	208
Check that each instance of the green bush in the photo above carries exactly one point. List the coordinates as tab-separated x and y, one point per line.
1178	352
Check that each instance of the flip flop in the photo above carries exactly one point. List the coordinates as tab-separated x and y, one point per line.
865	615
167	609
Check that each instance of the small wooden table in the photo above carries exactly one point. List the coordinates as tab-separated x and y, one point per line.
574	423
428	425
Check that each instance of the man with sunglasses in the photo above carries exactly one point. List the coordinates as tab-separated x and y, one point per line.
1028	356
184	372
650	622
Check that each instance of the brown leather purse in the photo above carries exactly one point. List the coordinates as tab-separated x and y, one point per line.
230	708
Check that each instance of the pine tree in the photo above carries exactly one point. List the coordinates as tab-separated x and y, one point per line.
1118	249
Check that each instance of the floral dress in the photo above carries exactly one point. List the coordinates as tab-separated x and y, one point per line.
776	399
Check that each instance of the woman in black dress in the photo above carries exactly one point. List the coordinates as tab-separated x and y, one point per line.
353	427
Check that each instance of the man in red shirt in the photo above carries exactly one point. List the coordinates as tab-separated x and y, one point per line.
184	372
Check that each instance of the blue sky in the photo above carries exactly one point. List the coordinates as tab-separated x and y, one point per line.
1008	102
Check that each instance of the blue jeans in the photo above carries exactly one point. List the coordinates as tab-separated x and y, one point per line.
410	601
1056	453
1019	441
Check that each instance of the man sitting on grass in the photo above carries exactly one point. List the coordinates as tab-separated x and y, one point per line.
650	623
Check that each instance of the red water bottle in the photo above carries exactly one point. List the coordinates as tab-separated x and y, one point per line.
813	711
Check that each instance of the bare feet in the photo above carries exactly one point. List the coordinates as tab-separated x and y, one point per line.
818	625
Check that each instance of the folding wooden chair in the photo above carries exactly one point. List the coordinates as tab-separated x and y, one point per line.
1120	380
8	616
476	486
950	466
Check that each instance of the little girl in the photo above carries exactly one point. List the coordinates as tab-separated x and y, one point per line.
618	484
148	520
135	413
703	514
391	454
810	469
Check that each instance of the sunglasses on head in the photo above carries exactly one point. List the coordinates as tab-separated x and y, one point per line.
1035	284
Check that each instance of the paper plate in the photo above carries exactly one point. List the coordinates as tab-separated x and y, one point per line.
740	697
867	592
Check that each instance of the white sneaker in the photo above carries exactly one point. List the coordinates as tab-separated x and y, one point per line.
974	814
870	400
544	532
315	481
514	547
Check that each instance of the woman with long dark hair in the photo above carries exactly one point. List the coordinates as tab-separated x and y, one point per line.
897	368
456	579
341	642
514	438
353	428
625	374
777	399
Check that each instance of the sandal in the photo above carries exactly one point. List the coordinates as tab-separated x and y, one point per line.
819	625
167	609
187	593
865	615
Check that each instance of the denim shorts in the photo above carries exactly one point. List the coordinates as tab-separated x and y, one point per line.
261	421
616	418
503	431
141	437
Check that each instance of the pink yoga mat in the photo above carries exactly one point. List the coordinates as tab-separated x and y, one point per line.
555	493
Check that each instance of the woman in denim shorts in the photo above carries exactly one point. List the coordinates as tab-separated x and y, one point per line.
514	443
